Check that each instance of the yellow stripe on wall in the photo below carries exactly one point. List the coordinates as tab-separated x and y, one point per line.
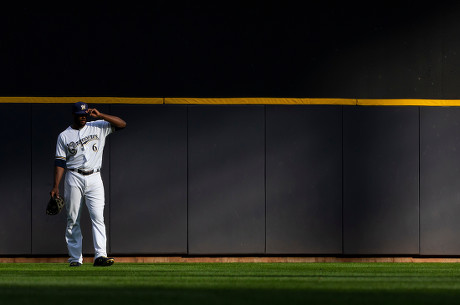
89	100
333	101
407	102
229	101
259	101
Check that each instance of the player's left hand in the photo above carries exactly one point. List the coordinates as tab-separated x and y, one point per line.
94	113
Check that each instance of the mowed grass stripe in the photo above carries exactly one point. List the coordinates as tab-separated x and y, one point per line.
233	283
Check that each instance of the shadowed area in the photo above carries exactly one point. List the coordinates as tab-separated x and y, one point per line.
227	49
231	284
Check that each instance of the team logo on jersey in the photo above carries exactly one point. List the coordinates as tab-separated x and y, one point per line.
72	146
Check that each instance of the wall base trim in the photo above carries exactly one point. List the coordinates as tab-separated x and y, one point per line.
183	259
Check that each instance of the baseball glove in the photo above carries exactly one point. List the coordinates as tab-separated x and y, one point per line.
55	205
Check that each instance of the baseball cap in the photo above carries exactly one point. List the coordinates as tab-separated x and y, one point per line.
79	108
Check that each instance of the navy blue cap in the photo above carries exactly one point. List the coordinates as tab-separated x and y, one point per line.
79	108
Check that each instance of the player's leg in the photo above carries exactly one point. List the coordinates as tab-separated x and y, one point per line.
95	201
73	190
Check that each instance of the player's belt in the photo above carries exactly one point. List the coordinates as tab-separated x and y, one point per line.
84	173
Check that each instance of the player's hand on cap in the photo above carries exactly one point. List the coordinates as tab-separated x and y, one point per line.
94	113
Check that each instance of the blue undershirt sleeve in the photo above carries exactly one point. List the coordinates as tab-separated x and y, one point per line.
60	163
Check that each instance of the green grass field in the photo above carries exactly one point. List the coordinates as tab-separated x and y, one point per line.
234	283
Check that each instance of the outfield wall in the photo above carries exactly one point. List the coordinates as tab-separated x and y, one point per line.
254	179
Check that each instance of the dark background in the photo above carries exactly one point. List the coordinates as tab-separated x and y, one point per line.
373	49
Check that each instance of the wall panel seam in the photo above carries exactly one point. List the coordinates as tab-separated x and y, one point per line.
419	171
343	197
31	179
265	175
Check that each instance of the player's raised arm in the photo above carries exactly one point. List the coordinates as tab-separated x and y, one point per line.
113	120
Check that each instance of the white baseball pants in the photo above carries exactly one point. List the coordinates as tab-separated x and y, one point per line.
79	189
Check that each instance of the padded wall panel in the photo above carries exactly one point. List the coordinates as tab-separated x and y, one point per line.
48	121
149	180
440	181
304	179
226	180
381	171
15	183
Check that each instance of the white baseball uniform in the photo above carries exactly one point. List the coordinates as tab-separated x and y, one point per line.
82	150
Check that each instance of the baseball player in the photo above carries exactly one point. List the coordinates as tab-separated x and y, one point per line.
79	153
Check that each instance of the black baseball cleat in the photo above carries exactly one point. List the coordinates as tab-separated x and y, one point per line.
75	264
103	261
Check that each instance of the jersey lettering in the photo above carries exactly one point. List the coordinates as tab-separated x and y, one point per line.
73	146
